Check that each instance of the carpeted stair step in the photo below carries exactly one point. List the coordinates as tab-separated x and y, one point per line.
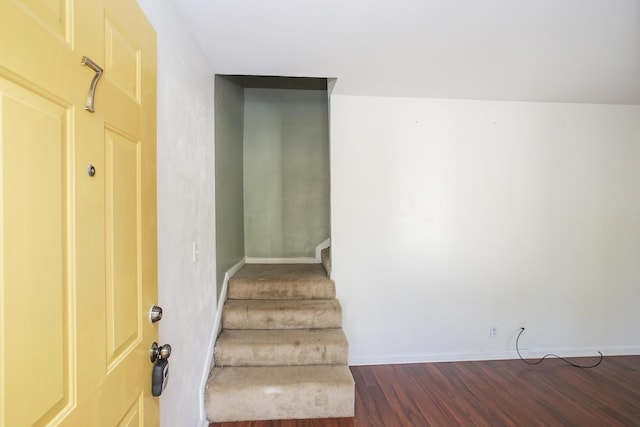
281	314
282	353
281	281
285	392
281	347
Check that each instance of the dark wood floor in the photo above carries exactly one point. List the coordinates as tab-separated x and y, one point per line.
492	394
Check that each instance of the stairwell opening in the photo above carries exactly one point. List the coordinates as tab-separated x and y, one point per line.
272	172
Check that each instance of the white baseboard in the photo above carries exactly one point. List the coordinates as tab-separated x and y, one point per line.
320	247
302	260
212	339
400	359
490	355
296	260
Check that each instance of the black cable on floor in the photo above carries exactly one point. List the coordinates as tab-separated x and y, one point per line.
554	355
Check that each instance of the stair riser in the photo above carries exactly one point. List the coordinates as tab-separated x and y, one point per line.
281	290
272	400
286	404
243	316
283	354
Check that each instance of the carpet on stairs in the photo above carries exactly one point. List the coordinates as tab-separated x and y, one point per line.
282	353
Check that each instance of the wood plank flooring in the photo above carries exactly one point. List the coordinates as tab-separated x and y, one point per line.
491	394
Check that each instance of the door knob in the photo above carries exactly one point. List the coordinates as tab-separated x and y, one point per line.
155	314
159	352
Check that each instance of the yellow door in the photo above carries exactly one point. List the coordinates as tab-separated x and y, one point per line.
77	252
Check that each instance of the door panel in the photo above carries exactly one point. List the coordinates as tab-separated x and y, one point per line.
35	317
124	319
77	252
26	25
53	15
122	58
133	417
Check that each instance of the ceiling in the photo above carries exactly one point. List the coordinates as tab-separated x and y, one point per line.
585	51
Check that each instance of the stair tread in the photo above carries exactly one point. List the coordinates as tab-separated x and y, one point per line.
281	281
292	272
281	314
280	347
311	304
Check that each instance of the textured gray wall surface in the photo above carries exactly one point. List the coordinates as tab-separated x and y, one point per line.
229	105
185	212
286	172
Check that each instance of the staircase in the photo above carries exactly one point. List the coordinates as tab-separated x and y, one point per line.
282	353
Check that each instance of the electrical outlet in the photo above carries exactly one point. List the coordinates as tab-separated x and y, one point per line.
493	331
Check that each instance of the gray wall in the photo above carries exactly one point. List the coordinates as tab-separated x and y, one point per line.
286	172
229	104
185	211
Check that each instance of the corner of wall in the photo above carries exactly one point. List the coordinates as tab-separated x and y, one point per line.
320	247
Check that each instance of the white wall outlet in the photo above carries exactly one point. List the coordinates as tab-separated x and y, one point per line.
493	331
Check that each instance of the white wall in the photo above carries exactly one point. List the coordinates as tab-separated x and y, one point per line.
187	290
451	216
